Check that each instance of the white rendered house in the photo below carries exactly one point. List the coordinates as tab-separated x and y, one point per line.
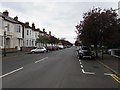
13	30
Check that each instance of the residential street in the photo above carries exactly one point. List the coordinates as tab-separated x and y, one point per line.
57	69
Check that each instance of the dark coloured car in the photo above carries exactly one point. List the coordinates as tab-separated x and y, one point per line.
85	52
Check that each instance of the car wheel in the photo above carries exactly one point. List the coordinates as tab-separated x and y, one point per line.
44	51
33	52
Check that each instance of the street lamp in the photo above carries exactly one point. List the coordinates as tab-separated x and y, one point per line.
5	40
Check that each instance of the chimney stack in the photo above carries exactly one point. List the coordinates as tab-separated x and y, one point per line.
26	23
16	18
44	30
50	33
38	29
6	13
33	26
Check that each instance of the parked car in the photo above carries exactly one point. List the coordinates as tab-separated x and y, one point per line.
85	52
38	50
60	46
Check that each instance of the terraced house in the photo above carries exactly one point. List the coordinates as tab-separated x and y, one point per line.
12	29
16	35
31	34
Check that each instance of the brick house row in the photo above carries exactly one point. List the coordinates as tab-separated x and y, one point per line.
18	34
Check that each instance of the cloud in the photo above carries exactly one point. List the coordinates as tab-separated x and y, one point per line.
58	17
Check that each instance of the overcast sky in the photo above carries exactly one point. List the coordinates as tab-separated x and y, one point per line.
58	17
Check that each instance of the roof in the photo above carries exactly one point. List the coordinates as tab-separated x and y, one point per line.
10	19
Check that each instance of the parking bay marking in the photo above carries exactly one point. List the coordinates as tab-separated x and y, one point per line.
87	72
83	71
41	60
115	77
11	72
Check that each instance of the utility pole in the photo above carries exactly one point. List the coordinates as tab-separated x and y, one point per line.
4	43
5	40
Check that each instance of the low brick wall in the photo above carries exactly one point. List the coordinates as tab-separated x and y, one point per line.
26	49
10	50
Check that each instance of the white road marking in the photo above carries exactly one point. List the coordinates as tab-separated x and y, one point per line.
81	66
80	63
107	74
11	72
41	60
83	71
87	72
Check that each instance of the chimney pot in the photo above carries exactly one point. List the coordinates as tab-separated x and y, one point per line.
43	29
33	26
6	13
50	33
16	18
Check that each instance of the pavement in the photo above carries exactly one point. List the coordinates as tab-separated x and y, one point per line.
14	54
58	69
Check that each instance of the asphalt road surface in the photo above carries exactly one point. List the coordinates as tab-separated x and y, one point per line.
58	69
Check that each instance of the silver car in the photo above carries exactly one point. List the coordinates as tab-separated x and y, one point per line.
38	50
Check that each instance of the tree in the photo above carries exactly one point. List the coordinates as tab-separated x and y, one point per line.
42	39
65	42
98	27
53	40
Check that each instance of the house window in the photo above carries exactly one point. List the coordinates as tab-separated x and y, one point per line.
30	32
30	42
27	32
36	35
19	29
27	42
8	27
1	40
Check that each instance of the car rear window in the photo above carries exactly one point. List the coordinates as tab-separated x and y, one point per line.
85	48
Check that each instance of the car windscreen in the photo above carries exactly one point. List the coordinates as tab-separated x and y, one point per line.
85	48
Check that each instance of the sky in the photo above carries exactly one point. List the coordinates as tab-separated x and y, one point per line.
59	17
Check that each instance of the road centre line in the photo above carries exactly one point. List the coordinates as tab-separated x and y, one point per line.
11	72
41	60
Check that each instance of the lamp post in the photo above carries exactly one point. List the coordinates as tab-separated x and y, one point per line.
5	41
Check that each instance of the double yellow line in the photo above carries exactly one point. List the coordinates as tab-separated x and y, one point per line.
116	78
